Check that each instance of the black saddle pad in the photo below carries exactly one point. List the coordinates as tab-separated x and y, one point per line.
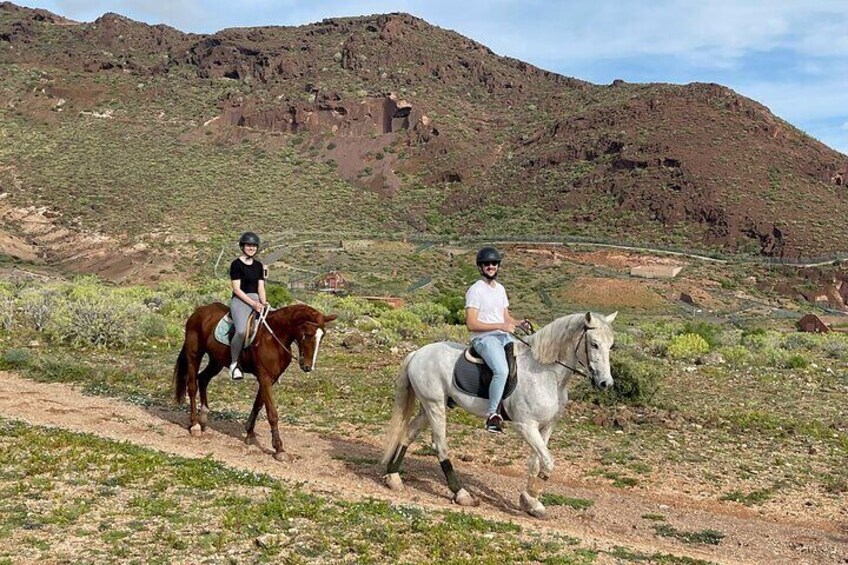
474	379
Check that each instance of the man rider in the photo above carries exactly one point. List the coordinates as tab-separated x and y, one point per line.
487	317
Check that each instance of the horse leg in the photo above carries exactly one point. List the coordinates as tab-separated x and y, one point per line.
195	427
540	465
438	425
212	368
265	384
392	477
250	438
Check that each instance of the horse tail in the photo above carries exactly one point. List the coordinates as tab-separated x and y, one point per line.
402	412
180	374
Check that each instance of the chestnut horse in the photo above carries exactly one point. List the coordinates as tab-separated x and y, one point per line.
267	357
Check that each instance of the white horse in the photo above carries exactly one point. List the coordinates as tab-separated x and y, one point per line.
577	343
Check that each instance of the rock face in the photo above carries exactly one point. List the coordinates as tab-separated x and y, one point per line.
697	164
376	114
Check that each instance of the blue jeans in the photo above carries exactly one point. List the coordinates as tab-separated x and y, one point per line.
491	348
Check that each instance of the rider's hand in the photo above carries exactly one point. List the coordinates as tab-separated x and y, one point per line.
525	325
509	327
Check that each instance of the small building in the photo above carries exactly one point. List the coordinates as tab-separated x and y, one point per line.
812	324
331	282
655	271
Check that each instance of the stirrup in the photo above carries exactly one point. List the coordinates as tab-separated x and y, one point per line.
235	372
494	423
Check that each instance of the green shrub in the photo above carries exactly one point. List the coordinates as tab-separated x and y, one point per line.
455	305
430	313
98	321
795	362
37	306
768	356
687	346
709	332
15	358
403	322
636	380
277	295
736	355
835	346
8	309
802	340
152	326
759	338
347	308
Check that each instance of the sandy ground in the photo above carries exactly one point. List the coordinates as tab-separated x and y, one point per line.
322	464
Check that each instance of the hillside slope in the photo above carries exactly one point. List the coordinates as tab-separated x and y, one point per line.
141	132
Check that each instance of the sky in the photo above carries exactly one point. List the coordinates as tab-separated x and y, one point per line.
790	55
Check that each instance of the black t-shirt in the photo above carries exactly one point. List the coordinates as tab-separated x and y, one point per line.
249	275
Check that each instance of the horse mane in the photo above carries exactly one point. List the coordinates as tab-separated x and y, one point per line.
547	343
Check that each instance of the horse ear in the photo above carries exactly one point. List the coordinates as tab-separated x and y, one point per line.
329	318
589	322
611	317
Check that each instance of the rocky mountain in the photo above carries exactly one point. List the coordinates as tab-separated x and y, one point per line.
387	123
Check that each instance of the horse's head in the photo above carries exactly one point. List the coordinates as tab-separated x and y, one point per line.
599	339
308	334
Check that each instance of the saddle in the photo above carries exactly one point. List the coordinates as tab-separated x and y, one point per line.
225	330
472	376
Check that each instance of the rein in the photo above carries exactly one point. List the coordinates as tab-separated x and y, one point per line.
558	362
262	320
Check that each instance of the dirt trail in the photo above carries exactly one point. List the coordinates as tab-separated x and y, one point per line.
324	465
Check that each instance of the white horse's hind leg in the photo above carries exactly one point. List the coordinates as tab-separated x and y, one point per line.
415	427
540	465
392	477
438	425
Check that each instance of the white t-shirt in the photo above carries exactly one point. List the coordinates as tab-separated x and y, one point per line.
490	301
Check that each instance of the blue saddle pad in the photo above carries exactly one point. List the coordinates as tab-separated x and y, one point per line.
224	330
474	379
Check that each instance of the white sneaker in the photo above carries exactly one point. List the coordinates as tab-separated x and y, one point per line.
235	372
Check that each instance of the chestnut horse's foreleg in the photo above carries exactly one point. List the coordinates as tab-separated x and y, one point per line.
265	398
212	368
251	420
540	465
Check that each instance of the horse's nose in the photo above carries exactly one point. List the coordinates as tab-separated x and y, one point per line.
306	368
604	384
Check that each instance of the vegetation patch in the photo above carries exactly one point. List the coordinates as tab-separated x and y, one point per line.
708	537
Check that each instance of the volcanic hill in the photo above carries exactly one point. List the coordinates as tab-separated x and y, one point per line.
381	124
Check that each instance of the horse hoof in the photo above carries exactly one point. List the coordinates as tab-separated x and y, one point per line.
251	440
284	457
464	498
393	481
532	506
196	430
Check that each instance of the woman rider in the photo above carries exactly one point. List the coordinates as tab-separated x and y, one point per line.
248	279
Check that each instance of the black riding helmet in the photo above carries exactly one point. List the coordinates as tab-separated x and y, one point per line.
488	254
249	238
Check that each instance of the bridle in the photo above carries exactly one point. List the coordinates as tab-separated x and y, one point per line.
591	372
264	322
